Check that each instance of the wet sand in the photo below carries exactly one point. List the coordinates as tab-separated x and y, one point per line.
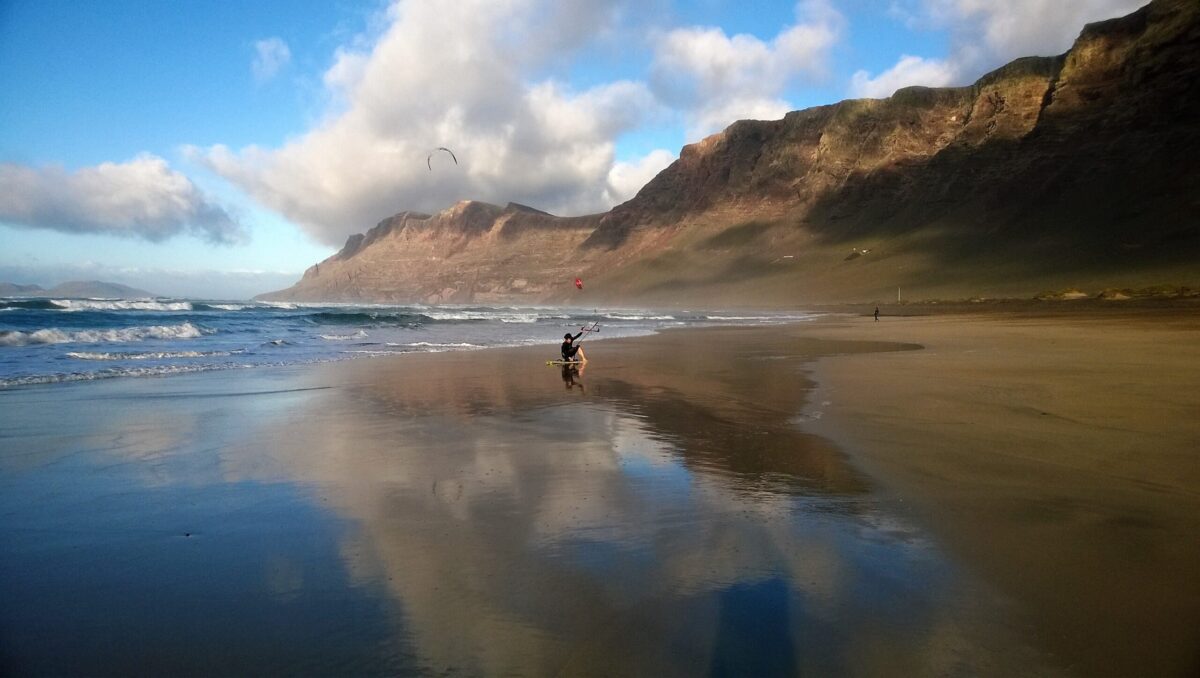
687	504
1056	455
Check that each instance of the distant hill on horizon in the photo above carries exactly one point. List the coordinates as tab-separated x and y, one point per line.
8	289
76	289
1049	173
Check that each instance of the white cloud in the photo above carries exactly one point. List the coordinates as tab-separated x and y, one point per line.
625	179
910	70
469	77
454	75
985	35
1015	28
142	198
270	56
717	79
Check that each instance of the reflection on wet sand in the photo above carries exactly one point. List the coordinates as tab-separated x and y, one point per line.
665	518
572	376
467	513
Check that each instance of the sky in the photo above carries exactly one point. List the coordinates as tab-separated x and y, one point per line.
216	149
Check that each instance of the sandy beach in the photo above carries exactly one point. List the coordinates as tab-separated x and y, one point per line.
891	312
1057	455
968	495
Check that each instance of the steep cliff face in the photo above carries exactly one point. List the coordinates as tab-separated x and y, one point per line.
1048	171
471	252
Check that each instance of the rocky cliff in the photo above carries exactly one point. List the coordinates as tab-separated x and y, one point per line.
1079	169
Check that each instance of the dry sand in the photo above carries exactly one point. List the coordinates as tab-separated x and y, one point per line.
1057	456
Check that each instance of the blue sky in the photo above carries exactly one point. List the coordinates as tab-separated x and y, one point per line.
218	149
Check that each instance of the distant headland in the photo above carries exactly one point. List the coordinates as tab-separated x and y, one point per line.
75	288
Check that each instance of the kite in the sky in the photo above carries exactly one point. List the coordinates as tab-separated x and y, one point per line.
578	283
429	160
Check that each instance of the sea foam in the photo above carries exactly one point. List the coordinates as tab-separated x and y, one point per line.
52	335
361	334
488	315
626	316
151	355
103	305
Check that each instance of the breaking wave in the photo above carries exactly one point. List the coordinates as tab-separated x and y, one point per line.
433	344
426	317
763	318
140	305
152	355
56	336
370	319
361	334
623	316
469	315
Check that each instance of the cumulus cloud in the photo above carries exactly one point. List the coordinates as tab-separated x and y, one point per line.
270	56
910	70
142	198
1007	30
717	79
985	35
466	76
454	75
625	179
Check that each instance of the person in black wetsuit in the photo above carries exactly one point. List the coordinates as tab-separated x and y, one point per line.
570	350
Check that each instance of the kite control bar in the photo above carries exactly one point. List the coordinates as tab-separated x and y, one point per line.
594	328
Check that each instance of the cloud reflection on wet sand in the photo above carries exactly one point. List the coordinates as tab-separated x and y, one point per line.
667	519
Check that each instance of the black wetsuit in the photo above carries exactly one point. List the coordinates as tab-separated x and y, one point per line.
569	351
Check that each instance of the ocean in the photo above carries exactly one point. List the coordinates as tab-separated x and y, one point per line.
45	340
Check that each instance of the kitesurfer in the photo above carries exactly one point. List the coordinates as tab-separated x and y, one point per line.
570	350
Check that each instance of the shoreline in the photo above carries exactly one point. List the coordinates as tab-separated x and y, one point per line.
1134	309
97	352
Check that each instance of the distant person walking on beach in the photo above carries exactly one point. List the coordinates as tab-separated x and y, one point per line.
876	314
570	350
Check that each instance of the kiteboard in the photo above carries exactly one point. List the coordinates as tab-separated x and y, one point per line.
564	362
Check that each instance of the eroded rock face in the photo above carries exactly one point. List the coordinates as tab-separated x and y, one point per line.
472	252
1048	171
